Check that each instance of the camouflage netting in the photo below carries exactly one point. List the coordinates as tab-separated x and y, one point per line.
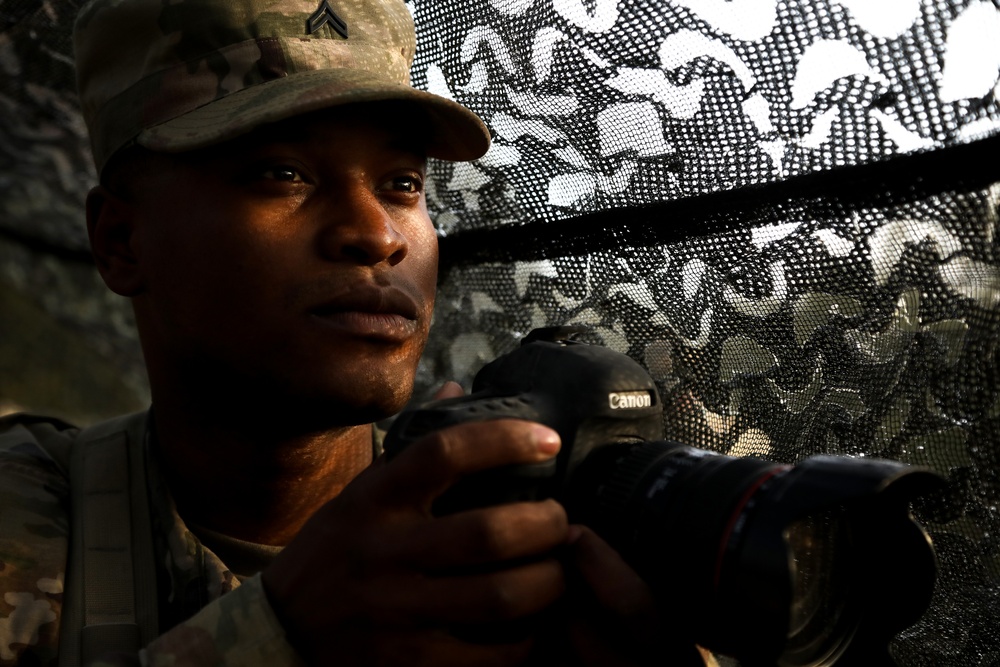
785	209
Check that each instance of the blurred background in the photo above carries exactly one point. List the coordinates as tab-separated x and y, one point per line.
67	345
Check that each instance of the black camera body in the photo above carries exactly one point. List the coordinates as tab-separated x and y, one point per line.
815	564
592	396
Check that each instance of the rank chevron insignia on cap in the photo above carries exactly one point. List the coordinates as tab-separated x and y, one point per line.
324	15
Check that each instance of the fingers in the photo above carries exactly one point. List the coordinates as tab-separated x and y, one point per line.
441	649
449	389
625	628
501	595
424	470
482	536
614	583
376	570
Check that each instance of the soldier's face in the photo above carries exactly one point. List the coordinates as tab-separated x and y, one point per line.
299	262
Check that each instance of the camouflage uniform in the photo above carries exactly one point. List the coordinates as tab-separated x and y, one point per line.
221	618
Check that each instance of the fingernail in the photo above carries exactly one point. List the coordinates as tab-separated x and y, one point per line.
546	440
449	389
573	533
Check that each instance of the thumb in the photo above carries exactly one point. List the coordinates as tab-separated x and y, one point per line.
449	389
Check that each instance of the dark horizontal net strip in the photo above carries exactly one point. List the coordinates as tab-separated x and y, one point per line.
904	179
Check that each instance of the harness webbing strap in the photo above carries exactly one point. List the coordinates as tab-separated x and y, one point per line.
111	592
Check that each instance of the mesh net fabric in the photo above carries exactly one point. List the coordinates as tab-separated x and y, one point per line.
785	210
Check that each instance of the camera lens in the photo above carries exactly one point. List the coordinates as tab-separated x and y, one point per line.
819	551
762	559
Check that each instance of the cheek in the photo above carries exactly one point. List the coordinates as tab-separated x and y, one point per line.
425	259
202	268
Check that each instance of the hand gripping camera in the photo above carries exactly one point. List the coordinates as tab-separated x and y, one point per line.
815	564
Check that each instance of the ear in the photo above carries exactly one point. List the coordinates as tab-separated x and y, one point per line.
113	241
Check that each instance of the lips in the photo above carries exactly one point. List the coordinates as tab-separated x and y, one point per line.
370	299
370	311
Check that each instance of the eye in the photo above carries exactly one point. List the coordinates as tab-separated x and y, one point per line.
282	173
408	183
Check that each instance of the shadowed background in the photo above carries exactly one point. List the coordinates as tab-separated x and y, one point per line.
67	345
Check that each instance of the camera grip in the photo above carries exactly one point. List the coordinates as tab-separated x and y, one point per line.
492	487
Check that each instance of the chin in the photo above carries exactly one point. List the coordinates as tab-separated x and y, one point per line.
314	415
370	397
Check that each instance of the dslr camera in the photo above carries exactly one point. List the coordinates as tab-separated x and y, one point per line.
816	564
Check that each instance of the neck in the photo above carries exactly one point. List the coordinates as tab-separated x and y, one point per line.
250	478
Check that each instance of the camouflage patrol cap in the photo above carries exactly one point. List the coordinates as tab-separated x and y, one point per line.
178	75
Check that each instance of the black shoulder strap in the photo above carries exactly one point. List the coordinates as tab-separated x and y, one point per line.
110	603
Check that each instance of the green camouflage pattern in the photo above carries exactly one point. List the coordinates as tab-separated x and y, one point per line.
182	75
236	629
213	619
34	538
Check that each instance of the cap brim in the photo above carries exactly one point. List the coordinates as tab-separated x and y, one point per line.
453	132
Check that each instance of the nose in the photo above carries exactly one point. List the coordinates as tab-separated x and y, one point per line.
361	230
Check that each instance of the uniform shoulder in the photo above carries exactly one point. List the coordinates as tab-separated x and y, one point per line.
34	535
46	441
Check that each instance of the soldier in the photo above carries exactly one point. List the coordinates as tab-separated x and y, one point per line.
261	203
